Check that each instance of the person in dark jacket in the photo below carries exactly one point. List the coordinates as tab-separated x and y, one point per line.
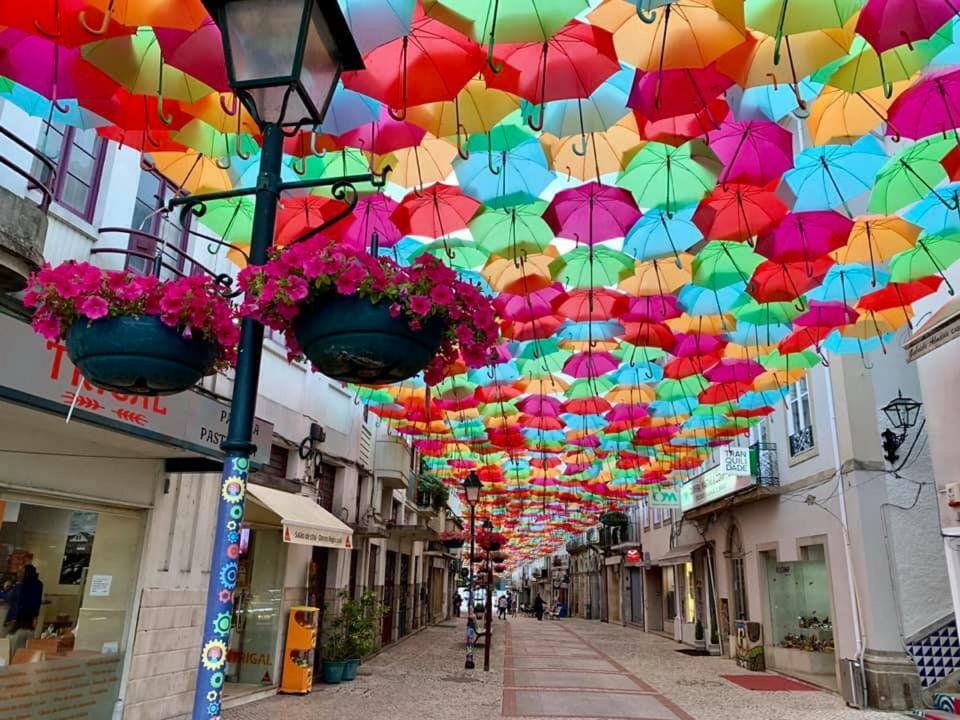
538	607
24	606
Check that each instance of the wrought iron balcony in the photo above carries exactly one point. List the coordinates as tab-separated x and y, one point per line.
801	441
764	465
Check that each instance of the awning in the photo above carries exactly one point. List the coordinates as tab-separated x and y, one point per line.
940	329
678	555
303	521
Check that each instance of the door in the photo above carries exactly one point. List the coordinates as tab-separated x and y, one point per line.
654	599
404	593
389	587
317	593
636	595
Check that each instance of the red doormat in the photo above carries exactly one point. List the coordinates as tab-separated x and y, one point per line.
768	683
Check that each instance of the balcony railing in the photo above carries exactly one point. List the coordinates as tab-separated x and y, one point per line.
801	441
764	465
45	188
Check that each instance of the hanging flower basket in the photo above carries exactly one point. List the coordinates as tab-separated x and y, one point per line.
367	320
491	541
452	540
134	334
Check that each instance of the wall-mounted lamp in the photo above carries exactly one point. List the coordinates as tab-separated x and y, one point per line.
902	413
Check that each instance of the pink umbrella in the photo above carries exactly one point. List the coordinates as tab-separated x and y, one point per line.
927	108
805	236
674	92
383	136
625	412
587	406
734	371
652	309
690	344
543	405
526	308
592	213
372	215
827	315
654	435
885	24
752	152
590	364
196	53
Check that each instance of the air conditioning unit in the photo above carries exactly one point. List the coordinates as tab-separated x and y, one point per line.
851	682
750	646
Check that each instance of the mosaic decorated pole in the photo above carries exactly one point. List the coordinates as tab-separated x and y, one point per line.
238	448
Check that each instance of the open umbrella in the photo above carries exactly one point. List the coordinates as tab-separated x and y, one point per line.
838	116
752	152
662	176
507	177
681	91
738	211
910	174
190	51
59	20
876	239
435	213
928	107
376	22
723	263
781	18
887	24
931	255
656	235
592	213
831	175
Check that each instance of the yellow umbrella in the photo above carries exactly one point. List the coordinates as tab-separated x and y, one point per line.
658	277
684	34
707	324
192	172
752	63
607	152
549	385
838	116
476	109
746	352
224	112
416	167
181	14
631	394
877	238
777	379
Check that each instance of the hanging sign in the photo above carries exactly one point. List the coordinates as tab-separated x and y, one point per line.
735	461
664	497
634	557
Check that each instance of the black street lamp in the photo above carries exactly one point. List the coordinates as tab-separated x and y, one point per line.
284	58
902	413
471	492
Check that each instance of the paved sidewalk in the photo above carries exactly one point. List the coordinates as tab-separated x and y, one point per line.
551	670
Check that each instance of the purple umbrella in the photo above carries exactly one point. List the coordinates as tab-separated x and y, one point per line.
753	152
372	216
652	309
592	213
590	364
928	108
886	24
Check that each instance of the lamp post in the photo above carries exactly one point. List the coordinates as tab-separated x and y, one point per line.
283	58
902	413
471	491
488	607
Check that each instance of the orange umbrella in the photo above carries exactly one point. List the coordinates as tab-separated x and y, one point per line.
181	14
416	167
877	238
522	276
838	116
192	172
658	277
607	152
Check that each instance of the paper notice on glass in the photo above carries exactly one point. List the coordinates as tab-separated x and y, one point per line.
100	585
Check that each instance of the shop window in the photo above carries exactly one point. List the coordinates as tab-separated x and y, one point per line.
669	594
799	418
68	577
759	433
153	193
799	596
737	574
645	513
689	593
78	155
326	477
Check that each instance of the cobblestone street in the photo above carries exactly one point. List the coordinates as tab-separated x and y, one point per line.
566	669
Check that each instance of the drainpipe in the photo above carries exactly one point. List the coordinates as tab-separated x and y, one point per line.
844	523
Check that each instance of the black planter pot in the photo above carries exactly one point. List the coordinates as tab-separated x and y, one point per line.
138	355
350	339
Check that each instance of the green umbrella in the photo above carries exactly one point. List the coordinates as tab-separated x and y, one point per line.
770	313
348	161
514	233
590	267
673	389
206	139
458	253
550	360
667	177
864	69
722	263
6	85
231	219
589	387
802	360
910	175
932	255
789	17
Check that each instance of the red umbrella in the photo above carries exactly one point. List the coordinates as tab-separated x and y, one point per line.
587	406
497	393
383	136
430	64
682	367
723	392
775	281
538	329
681	128
738	212
886	24
927	108
673	92
196	52
752	152
296	216
435	212
805	236
802	338
901	295
586	305
649	334
592	213
571	64
59	20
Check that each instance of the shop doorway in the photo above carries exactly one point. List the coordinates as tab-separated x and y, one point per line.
654	599
253	647
317	593
389	593
404	593
636	596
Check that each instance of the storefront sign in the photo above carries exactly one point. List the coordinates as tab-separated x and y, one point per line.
63	689
664	496
633	557
712	485
301	535
940	329
735	461
38	372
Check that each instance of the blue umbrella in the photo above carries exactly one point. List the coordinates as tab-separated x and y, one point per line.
749	334
840	345
584	422
502	373
605	107
65	112
597	330
830	175
932	214
504	178
761	398
640	373
349	110
846	283
658	235
669	408
375	22
696	300
769	102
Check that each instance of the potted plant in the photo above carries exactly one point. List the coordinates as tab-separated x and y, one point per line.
433	491
134	334
335	652
491	541
452	540
361	621
367	320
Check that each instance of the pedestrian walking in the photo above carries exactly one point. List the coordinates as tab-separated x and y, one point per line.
457	601
502	607
509	602
538	607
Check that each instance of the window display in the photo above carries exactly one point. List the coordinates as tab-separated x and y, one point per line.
799	596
